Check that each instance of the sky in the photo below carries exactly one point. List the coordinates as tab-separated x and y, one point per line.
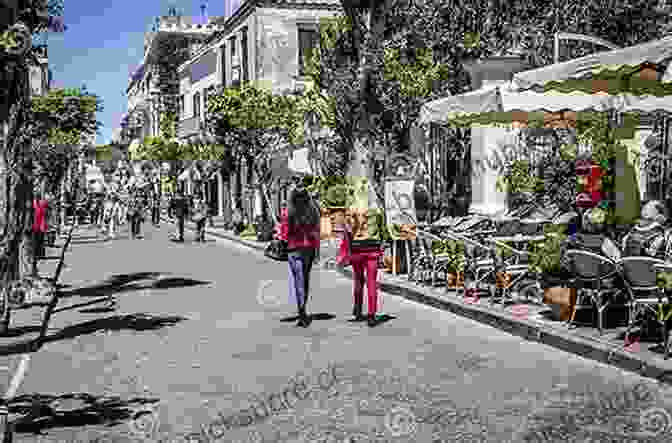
104	43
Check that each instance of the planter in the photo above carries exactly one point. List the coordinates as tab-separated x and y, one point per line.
562	301
455	280
502	280
387	263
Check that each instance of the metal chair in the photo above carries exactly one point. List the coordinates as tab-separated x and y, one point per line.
589	273
639	274
423	262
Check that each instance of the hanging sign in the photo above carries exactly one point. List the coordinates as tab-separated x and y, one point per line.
400	209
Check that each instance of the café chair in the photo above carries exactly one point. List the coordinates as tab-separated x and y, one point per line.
590	272
639	274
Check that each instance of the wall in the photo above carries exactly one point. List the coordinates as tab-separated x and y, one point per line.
277	56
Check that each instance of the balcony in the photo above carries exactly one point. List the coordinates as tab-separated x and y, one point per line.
188	127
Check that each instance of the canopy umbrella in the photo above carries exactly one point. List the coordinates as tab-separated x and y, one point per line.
609	64
503	105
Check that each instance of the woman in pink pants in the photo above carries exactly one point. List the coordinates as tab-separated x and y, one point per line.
366	240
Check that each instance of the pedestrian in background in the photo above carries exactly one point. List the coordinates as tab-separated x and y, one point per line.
135	213
200	217
156	209
40	208
300	228
179	206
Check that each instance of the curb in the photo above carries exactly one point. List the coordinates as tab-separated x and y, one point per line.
222	235
659	370
531	331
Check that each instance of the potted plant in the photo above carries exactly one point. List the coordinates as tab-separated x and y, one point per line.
453	251
249	232
545	261
335	203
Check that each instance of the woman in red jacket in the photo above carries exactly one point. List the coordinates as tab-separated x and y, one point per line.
40	207
300	228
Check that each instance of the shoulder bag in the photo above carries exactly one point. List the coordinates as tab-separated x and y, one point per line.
277	250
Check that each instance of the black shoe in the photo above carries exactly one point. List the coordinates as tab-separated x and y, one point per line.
372	321
357	313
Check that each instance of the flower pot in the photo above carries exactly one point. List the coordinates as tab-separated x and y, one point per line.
455	280
502	280
387	263
562	301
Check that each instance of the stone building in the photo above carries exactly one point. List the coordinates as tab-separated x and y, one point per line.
153	86
262	42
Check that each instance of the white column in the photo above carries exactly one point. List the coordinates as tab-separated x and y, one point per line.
220	194
485	74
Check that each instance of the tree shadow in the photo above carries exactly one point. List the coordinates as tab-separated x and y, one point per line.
115	283
135	322
319	316
39	412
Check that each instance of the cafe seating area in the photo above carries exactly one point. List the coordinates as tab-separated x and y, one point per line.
602	293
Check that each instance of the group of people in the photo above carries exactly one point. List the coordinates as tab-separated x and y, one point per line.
112	210
300	229
182	207
651	236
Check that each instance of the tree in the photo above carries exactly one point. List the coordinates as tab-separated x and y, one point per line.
255	123
59	120
455	30
17	23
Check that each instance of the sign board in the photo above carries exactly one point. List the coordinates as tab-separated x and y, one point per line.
400	209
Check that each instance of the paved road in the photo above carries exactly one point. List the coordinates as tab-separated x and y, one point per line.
197	337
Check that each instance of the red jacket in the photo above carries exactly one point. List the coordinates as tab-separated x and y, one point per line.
300	236
40	220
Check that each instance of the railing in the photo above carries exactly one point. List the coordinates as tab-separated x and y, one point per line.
188	126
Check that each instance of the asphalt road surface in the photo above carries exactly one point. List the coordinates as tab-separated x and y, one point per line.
197	338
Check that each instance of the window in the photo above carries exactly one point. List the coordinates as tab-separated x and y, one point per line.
308	40
223	57
235	64
244	54
197	105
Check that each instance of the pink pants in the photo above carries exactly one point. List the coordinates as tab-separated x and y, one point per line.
365	262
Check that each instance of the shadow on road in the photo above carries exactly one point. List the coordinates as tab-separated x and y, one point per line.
40	411
135	322
320	316
128	282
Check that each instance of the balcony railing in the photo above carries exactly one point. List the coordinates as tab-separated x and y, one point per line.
188	127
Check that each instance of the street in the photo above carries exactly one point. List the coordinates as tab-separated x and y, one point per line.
197	336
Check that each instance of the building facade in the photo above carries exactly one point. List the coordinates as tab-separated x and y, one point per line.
153	86
263	42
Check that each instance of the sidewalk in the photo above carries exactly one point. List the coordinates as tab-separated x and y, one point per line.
528	321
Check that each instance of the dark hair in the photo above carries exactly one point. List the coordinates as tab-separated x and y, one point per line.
302	209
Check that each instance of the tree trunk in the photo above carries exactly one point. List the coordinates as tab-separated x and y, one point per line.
18	185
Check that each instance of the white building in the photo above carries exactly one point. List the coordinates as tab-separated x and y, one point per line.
261	42
153	87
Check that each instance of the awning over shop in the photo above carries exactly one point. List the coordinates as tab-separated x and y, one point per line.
612	63
502	105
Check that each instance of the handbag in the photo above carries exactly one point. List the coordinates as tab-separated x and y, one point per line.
277	250
344	251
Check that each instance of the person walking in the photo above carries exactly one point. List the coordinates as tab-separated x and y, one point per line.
200	217
300	228
135	210
156	209
180	208
365	233
40	208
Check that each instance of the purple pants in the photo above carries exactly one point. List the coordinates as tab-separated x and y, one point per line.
300	264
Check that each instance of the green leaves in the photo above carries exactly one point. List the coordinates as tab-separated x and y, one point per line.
157	148
63	116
